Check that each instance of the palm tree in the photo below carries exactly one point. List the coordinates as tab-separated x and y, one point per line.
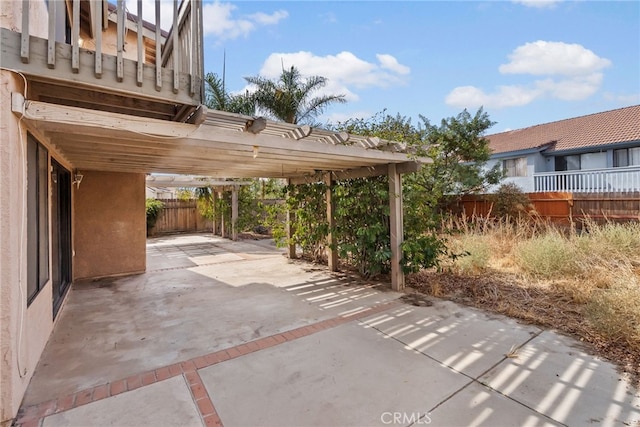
288	98
217	98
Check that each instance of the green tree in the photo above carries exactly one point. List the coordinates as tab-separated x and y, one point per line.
217	97
459	153
290	98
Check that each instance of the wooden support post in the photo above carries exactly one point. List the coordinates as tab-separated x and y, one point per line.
291	217
222	233
140	64
234	213
24	32
75	38
332	253
98	36
158	48
175	31
214	213
120	41
396	227
51	42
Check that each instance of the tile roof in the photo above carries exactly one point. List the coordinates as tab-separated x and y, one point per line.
609	127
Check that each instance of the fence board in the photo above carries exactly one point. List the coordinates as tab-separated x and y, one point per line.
181	216
562	206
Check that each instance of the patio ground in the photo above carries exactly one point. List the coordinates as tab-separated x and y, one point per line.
233	333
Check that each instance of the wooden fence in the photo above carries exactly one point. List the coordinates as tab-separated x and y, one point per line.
565	207
180	216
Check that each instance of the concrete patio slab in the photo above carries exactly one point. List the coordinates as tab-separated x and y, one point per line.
262	340
126	325
165	403
476	405
338	377
554	376
468	340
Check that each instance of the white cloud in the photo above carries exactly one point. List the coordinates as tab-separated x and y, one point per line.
539	4
345	71
548	58
505	96
572	73
390	63
265	19
219	20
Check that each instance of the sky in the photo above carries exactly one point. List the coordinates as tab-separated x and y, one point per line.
524	62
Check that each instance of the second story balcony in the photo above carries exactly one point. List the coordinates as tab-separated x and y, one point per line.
102	55
611	180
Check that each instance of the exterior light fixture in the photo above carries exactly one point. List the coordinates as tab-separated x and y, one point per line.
77	179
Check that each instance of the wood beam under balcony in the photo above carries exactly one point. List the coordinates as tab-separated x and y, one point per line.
10	45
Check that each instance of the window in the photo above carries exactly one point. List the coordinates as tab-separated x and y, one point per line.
626	157
37	217
568	163
515	167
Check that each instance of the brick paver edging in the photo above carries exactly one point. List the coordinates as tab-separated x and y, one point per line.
32	416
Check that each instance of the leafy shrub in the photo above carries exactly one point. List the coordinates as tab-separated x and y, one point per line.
509	201
153	207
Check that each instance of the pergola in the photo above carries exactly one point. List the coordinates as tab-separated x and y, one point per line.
217	186
225	145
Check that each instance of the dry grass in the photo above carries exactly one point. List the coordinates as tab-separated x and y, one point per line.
585	283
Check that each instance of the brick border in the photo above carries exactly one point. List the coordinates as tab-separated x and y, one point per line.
31	416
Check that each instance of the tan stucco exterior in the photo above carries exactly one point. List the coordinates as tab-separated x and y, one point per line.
11	17
109	237
24	331
110	225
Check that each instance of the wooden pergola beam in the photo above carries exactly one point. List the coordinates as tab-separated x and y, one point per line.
362	172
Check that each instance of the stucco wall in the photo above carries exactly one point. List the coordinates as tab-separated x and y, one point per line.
24	331
11	17
110	225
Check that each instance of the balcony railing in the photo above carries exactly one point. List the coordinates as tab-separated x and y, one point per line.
589	181
156	63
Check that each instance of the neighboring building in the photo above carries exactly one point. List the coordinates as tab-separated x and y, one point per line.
92	101
594	153
161	193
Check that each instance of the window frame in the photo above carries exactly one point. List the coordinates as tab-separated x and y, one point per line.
37	217
628	157
519	167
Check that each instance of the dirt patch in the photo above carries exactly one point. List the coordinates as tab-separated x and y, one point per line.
510	295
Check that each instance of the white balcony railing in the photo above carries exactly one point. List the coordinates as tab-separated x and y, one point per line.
589	181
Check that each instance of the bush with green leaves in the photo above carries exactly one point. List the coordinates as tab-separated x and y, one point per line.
459	152
509	201
153	207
